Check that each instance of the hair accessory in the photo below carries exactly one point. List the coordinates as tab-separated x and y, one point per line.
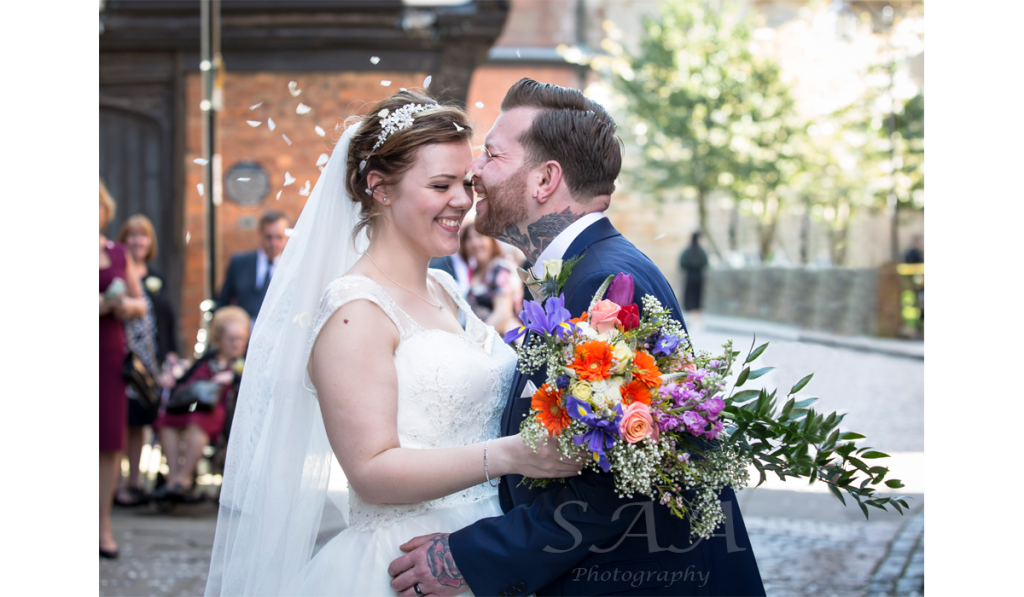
398	120
368	191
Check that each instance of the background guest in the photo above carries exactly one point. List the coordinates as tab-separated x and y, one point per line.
229	336
494	284
456	266
120	299
154	339
249	273
693	261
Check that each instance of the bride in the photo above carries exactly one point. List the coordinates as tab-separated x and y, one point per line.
363	354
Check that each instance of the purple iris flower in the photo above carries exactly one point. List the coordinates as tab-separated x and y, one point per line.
666	344
602	433
550	319
620	291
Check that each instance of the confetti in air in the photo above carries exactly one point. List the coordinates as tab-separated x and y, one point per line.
386	83
293	88
188	236
271	123
243	179
662	235
201	161
302	109
403	89
374	59
199	187
458	128
479	104
289	231
426	82
279	195
254	106
320	161
304	191
254	123
303	317
288	179
319	131
286	139
517	53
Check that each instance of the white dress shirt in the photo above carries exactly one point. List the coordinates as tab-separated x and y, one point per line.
263	268
560	244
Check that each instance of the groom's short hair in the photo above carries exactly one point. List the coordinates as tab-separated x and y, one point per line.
572	130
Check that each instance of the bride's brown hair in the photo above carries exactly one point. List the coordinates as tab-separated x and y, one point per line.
437	124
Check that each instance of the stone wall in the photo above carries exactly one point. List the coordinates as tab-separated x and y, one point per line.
836	300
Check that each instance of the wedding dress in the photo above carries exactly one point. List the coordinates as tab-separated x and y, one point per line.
451	390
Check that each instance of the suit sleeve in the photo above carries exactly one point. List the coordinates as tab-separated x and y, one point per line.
534	544
228	292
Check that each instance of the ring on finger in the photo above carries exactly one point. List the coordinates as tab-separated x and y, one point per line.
416	587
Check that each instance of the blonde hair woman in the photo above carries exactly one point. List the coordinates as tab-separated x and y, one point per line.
120	300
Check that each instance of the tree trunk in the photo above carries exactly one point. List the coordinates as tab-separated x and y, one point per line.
702	211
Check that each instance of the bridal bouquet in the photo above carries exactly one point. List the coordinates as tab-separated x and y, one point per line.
629	392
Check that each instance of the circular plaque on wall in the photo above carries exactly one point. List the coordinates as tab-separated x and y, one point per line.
246	184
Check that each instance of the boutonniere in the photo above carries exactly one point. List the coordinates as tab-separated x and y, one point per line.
556	274
153	284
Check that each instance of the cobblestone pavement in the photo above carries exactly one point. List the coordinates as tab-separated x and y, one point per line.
806	543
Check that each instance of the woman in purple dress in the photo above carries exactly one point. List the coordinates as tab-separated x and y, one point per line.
120	299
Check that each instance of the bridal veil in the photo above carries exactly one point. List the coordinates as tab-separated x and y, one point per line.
275	487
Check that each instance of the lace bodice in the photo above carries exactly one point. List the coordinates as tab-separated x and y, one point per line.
451	387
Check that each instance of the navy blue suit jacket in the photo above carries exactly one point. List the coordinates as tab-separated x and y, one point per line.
579	537
240	284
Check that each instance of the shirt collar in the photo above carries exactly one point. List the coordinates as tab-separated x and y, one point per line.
561	243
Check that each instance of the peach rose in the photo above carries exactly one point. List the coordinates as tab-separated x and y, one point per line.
637	423
604	316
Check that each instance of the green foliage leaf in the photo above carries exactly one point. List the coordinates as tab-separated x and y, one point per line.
849	435
759	372
800	384
873	454
756	353
835	491
742	379
894	484
745	395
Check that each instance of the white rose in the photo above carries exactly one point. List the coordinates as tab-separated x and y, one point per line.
552	267
605	393
622	354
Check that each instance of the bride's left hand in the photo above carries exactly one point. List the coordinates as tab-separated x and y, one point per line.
546	463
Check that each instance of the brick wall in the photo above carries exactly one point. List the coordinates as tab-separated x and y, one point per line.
332	97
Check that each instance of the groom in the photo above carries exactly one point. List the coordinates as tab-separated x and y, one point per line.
544	180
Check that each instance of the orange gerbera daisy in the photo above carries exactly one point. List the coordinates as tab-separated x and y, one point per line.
636	391
593	361
646	370
581	318
548	401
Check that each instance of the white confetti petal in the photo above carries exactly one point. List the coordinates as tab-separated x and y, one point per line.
271	123
320	161
201	161
517	53
458	128
199	187
288	179
293	88
374	59
243	179
403	89
302	109
386	83
188	236
254	106
426	82
479	104
279	195
304	191
319	131
254	123
286	139
289	231
660	236
383	113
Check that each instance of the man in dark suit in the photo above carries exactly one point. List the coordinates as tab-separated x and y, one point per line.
544	180
249	273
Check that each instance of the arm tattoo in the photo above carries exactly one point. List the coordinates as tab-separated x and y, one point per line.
442	564
541	233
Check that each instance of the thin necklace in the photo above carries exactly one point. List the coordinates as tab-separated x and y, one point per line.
438	304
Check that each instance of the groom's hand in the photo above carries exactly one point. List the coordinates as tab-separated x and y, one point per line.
427	562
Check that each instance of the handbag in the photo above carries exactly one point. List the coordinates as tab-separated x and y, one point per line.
141	381
201	395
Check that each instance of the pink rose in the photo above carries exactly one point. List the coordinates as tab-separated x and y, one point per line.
604	316
637	423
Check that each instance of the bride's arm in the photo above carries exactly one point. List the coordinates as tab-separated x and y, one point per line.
354	373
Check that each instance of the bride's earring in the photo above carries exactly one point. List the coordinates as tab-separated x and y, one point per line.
384	200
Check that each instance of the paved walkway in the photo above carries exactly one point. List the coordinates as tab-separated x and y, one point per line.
806	542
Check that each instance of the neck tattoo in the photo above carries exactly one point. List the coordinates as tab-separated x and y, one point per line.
540	233
438	304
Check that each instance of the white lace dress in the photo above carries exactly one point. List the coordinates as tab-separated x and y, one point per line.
451	391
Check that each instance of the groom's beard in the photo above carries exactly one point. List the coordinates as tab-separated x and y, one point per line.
506	207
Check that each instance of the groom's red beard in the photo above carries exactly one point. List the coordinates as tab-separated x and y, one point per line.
506	206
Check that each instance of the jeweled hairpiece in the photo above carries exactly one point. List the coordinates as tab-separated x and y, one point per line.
398	120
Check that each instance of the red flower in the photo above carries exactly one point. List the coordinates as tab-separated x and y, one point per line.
629	317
